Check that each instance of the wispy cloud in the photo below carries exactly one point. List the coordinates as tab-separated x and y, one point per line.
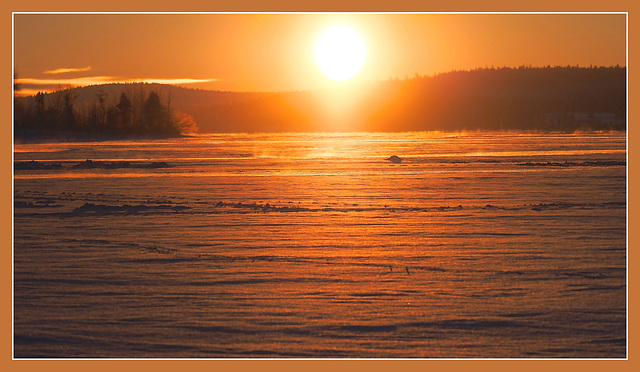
32	86
81	81
65	70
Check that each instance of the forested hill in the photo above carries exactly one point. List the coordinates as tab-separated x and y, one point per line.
112	111
560	98
525	98
545	99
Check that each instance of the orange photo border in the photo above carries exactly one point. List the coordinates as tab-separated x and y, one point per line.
6	165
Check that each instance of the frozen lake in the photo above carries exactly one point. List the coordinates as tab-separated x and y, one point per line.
476	245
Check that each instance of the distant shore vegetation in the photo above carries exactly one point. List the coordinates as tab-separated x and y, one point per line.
566	99
560	99
137	111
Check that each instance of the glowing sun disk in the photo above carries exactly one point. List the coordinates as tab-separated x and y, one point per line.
340	53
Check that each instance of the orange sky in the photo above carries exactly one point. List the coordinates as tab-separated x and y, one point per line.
274	52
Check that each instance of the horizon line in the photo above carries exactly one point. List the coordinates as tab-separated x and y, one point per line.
104	80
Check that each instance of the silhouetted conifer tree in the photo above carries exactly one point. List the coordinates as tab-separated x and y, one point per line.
154	115
125	108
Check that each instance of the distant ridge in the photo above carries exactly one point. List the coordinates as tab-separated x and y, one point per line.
179	95
525	98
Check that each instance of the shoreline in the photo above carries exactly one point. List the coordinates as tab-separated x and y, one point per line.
22	139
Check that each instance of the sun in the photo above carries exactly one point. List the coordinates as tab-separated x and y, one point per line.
340	53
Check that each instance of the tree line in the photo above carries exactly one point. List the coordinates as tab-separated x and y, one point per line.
135	112
566	98
561	98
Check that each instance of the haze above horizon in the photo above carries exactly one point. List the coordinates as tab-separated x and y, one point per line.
274	52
